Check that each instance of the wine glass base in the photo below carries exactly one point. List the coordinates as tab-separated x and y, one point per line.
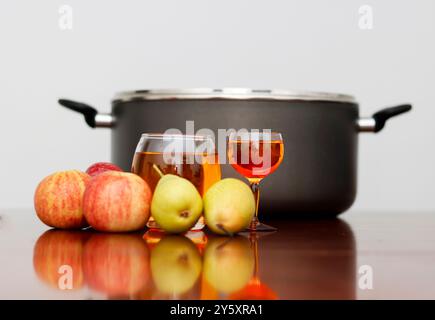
260	227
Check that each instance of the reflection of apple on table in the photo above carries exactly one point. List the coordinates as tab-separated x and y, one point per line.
116	264
57	248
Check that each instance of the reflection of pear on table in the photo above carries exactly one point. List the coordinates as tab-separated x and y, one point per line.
175	265
228	264
198	237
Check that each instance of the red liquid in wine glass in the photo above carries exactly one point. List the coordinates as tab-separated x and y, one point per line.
255	159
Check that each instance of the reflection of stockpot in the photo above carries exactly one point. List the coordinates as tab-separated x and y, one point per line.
320	260
320	132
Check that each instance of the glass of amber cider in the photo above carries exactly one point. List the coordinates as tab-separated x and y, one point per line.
193	157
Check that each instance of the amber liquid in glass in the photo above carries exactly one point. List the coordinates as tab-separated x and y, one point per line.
255	159
202	173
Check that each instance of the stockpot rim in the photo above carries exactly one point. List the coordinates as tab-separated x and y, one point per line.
231	94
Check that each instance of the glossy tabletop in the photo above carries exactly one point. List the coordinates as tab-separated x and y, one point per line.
358	256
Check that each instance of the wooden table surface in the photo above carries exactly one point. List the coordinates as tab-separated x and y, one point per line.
329	259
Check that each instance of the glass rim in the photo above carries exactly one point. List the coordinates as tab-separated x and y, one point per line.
243	136
154	135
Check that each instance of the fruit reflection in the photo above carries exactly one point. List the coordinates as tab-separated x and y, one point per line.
168	267
175	265
57	248
228	263
198	237
116	264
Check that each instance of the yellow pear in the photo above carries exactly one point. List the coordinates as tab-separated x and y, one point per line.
229	206
176	204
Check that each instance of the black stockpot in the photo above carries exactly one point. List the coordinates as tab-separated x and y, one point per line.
318	175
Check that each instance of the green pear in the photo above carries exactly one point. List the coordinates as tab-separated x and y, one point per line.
175	264
228	263
176	204
229	206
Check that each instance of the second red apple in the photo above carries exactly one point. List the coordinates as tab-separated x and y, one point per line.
117	202
100	167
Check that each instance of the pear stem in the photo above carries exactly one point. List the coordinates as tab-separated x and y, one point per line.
156	167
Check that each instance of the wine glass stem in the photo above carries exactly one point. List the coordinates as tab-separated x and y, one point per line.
255	187
254	245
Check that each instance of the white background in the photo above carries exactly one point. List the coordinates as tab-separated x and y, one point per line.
125	45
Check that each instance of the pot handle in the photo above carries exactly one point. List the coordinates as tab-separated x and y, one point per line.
92	117
376	122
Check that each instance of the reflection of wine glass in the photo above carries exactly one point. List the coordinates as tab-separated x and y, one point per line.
193	157
255	155
255	289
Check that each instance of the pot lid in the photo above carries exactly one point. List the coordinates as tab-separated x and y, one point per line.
231	94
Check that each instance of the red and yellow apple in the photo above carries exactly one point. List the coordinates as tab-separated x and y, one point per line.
117	202
116	264
100	167
59	199
55	249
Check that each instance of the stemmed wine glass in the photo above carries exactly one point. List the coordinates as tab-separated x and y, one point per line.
255	155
